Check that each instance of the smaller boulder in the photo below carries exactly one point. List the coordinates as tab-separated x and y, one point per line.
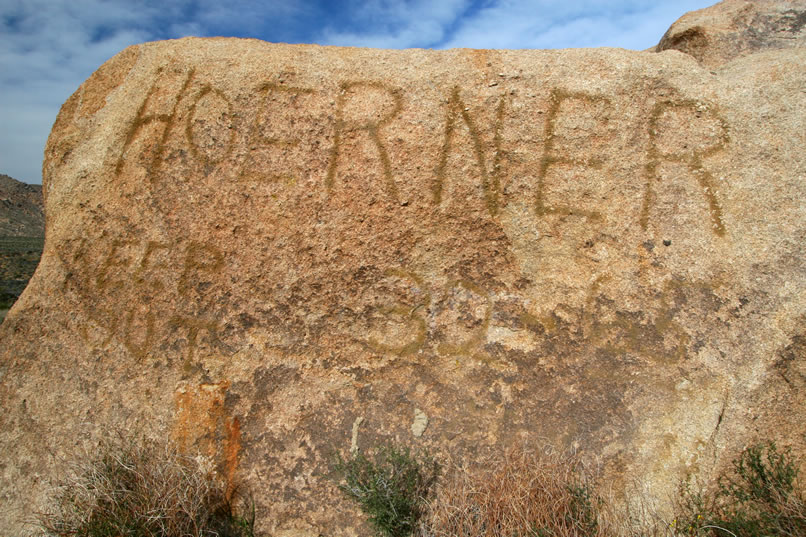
733	29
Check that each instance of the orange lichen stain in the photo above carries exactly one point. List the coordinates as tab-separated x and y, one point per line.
204	424
198	413
232	449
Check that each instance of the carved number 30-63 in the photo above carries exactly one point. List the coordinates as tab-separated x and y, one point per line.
414	317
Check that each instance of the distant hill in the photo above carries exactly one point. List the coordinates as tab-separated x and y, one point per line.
22	211
22	236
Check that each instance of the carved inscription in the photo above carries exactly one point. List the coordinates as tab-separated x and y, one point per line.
490	182
119	257
193	327
404	314
370	124
205	124
682	132
153	110
451	309
201	132
689	153
145	266
478	324
148	263
457	318
554	156
144	319
265	134
199	258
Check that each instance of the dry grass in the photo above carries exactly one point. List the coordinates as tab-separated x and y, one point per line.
520	493
145	489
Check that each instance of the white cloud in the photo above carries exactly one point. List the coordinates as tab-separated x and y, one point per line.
549	24
47	49
244	17
390	24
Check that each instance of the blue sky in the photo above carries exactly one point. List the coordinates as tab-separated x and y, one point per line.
48	47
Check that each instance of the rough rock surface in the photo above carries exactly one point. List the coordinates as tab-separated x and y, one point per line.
737	28
272	252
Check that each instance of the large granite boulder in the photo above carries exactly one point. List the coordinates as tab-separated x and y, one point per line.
271	252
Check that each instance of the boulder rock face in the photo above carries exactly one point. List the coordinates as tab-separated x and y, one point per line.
269	253
737	28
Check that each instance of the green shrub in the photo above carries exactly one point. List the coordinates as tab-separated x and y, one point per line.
391	486
759	499
144	489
